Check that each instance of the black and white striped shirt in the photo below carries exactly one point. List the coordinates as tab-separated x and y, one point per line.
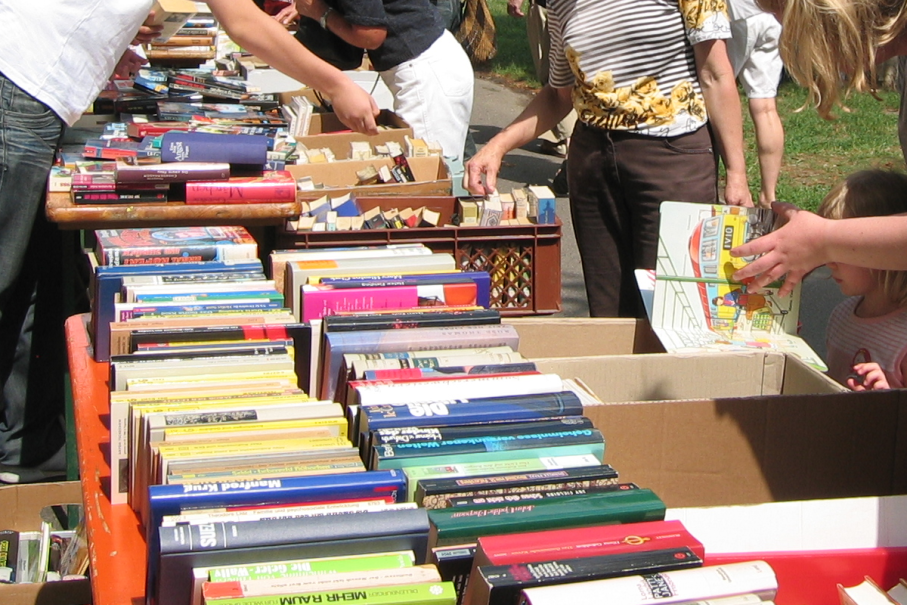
631	63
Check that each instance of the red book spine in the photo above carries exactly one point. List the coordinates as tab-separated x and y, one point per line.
272	187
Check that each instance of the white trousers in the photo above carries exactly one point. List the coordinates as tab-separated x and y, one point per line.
434	93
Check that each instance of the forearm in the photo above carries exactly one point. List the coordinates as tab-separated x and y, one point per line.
545	110
264	37
877	242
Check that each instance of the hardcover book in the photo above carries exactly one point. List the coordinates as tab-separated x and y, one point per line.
182	146
272	186
134	246
679	586
171	172
421	318
501	584
434	593
184	547
698	306
467	524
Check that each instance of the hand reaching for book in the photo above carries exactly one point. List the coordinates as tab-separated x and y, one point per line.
287	15
129	64
147	32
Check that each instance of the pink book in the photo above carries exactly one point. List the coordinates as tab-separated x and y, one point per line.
319	300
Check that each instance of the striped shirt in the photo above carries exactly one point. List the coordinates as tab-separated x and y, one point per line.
851	340
630	62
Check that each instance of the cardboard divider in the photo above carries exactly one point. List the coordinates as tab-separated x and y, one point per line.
338	178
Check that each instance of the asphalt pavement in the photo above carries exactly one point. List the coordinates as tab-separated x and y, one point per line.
497	105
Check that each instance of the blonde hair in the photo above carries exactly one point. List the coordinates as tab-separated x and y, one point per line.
829	46
872	193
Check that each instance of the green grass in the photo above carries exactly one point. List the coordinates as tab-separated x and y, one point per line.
818	153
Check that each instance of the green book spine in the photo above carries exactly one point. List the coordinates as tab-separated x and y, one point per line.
307	567
466	524
433	593
595	448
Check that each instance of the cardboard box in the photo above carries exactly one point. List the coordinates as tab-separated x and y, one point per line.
21	507
326	130
338	178
584	336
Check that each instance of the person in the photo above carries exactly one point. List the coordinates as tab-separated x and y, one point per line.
867	332
640	74
420	61
866	32
753	50
53	64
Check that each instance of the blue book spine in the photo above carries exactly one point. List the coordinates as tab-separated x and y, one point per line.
109	282
185	146
512	408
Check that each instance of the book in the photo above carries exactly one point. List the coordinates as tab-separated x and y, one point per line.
174	244
273	186
120	196
188	146
436	493
297	272
416	410
667	587
342	580
432	593
415	318
460	525
481	279
304	567
414	474
9	555
501	584
439	372
866	592
171	172
172	15
454	563
320	300
184	547
474	449
698	306
530	496
336	344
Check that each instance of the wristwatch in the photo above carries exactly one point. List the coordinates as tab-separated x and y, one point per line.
323	21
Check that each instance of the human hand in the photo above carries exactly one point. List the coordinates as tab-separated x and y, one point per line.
355	108
515	8
148	31
313	9
129	64
795	249
287	15
486	163
868	377
737	193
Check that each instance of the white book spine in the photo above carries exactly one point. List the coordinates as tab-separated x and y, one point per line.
443	390
750	577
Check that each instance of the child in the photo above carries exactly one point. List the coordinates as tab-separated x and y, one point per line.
867	333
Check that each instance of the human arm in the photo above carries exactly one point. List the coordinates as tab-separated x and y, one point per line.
148	31
129	64
369	37
545	110
869	377
719	89
808	241
515	8
259	33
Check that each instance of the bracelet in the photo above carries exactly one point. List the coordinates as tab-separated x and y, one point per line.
323	21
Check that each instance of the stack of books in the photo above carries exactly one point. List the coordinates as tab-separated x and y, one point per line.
190	32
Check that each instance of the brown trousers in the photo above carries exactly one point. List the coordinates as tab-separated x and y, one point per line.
617	181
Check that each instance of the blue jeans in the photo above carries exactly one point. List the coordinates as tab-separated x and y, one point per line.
31	343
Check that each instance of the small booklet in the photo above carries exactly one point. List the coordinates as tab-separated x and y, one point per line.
696	305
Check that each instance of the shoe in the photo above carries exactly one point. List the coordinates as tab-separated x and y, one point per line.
53	469
558	150
559	182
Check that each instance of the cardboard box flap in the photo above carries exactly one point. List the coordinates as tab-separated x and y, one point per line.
805	382
579	337
22	504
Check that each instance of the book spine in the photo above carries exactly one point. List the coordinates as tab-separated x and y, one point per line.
516	407
119	197
430	593
490	443
9	555
415	434
665	587
240	192
179	146
173	172
304	567
530	496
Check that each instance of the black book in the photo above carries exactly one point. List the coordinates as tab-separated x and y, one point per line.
454	563
501	584
9	555
434	493
184	547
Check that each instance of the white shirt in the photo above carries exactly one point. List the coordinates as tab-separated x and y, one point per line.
62	52
743	9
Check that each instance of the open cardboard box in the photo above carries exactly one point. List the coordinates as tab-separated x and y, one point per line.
326	130
21	507
338	178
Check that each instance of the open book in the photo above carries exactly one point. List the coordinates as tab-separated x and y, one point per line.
696	305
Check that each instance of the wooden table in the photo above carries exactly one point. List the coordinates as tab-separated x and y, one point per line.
115	539
61	210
